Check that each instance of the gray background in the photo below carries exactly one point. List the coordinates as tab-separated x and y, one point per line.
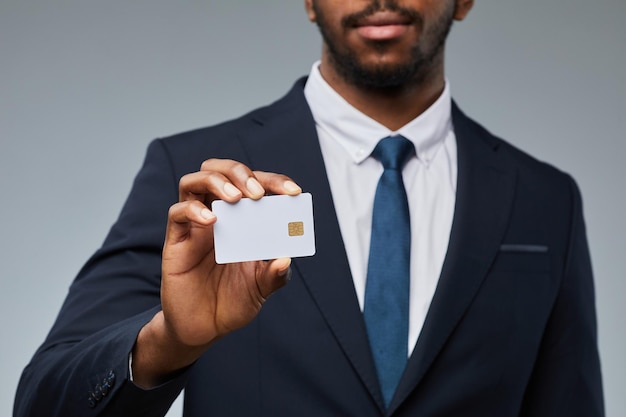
84	86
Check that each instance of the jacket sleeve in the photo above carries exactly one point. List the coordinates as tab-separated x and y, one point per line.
82	367
566	380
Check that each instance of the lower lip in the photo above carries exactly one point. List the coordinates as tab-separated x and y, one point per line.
382	33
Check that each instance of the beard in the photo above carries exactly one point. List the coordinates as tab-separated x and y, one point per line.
423	57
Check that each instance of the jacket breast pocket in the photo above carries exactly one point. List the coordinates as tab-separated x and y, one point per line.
522	258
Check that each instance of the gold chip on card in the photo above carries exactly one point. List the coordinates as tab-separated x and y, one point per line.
296	228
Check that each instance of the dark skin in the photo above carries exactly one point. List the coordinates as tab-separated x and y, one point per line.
196	293
392	107
203	301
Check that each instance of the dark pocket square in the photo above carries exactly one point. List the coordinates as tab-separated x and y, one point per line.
514	247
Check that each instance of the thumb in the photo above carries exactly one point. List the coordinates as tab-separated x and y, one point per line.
275	276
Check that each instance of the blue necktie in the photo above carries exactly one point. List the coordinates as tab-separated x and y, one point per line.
386	310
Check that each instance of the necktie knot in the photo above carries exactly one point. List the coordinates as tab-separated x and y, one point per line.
393	151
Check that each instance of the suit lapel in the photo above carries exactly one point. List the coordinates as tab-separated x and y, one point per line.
288	126
485	191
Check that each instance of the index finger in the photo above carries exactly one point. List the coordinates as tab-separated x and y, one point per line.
277	183
252	184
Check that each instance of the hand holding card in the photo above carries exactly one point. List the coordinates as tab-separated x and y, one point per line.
278	226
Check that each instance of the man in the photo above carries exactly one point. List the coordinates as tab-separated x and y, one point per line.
499	317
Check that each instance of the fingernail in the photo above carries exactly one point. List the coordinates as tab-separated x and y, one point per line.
206	213
231	190
254	187
288	275
291	186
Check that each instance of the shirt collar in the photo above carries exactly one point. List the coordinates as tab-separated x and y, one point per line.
358	133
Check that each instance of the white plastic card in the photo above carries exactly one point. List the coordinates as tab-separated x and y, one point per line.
277	226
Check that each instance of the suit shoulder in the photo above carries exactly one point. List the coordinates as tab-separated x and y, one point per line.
292	101
532	169
525	163
187	150
537	180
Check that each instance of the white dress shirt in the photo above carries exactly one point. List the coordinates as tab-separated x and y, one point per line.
347	138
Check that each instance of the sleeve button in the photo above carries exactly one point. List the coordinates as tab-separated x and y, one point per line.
91	401
105	389
97	394
111	378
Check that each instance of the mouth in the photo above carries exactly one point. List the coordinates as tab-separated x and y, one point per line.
382	26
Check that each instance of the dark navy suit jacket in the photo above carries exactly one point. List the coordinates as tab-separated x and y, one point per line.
511	330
